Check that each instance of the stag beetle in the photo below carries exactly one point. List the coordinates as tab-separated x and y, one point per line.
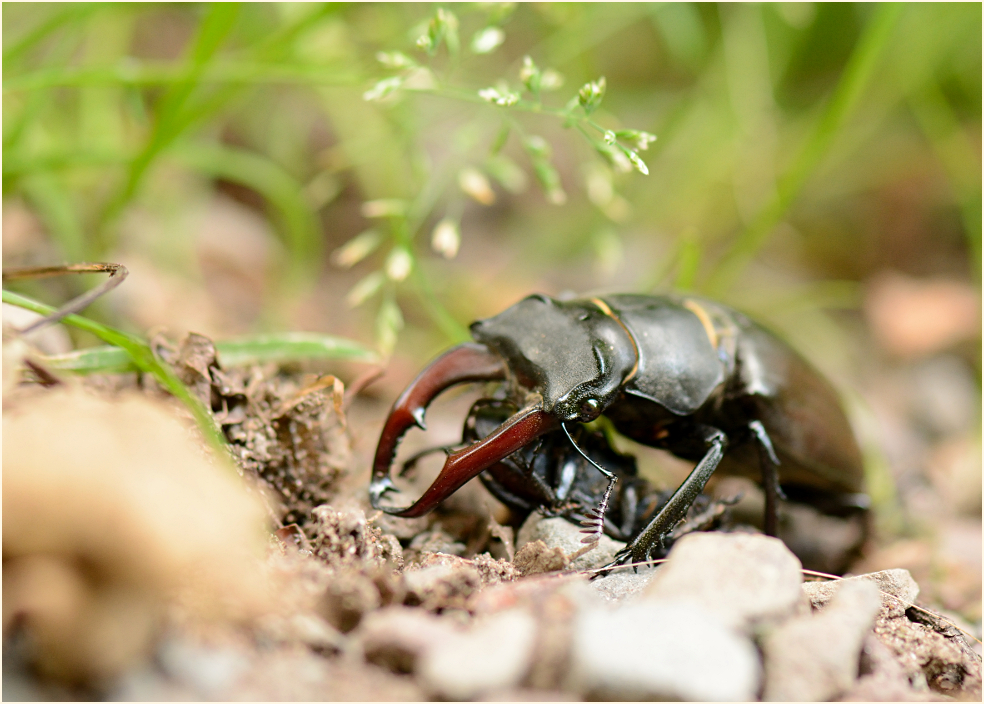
683	374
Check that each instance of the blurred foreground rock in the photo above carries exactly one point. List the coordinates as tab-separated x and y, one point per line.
111	511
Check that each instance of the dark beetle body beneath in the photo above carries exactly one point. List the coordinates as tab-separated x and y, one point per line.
687	375
549	475
552	477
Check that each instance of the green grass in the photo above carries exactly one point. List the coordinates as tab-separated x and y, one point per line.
141	357
766	116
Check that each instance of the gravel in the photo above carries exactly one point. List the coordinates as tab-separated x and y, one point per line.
898	590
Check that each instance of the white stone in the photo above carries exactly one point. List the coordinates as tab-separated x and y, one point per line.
494	654
815	657
742	578
661	651
561	533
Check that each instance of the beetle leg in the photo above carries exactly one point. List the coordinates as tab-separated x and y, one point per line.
520	430
653	538
770	477
461	364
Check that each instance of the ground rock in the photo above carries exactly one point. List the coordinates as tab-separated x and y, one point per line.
446	581
883	679
347	597
206	670
624	584
536	558
933	655
898	590
528	695
343	537
395	637
742	578
307	628
555	600
561	533
927	653
494	654
291	674
441	585
652	650
434	542
816	657
530	592
490	570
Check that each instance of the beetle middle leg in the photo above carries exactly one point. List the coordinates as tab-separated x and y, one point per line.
770	477
653	538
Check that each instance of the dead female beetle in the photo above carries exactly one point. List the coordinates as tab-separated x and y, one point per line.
687	375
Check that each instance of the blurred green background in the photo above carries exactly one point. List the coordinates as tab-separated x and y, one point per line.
263	167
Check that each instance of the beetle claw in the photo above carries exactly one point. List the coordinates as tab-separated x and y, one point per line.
378	488
461	364
520	430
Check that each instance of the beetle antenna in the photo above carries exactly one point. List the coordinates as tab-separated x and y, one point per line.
594	524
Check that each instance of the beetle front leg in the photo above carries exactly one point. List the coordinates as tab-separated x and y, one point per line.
653	538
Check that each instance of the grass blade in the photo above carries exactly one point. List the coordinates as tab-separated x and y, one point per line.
279	347
301	230
142	357
276	347
856	75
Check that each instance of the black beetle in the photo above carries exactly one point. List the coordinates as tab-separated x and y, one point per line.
684	374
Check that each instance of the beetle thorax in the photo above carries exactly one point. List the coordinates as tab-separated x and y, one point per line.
572	353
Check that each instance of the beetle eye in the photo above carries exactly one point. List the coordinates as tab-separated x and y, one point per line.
590	408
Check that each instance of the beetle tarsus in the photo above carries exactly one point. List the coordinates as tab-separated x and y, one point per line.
594	524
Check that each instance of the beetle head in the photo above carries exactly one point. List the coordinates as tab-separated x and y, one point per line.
572	353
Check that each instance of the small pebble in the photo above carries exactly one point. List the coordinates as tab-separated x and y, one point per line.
561	533
205	670
441	586
742	578
494	654
624	584
395	637
816	657
892	583
650	651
